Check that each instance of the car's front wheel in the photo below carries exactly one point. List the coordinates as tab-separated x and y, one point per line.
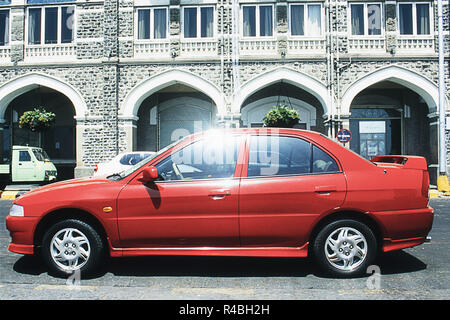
345	248
72	245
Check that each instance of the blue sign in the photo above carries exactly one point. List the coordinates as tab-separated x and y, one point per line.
344	136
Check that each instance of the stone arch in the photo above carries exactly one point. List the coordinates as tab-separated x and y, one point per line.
298	79
14	88
261	106
428	90
141	91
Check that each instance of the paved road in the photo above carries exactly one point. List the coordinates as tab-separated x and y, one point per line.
422	272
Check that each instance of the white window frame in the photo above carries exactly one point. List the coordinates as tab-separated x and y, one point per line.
257	18
199	23
366	20
43	15
414	20
9	27
305	16
152	24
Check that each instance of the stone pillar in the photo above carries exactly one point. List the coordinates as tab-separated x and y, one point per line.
17	40
390	10
110	105
128	126
281	26
126	27
175	28
89	31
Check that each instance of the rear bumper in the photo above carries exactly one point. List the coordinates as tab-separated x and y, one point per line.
391	245
21	230
404	228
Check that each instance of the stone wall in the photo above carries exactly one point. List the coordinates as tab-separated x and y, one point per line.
104	72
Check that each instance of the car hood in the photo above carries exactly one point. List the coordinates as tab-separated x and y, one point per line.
68	184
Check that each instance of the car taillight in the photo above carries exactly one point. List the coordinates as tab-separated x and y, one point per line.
425	183
96	168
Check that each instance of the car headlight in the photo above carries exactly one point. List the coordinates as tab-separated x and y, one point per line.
16	211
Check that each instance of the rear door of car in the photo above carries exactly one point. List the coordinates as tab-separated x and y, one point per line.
193	204
289	182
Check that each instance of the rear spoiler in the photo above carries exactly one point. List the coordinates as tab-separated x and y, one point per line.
407	162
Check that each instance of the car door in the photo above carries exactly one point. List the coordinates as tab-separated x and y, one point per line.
24	168
289	183
194	203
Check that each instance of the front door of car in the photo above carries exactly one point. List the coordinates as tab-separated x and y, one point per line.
194	203
289	183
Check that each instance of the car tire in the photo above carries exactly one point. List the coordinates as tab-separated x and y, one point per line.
345	248
72	245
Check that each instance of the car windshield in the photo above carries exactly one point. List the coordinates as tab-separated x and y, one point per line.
133	158
40	155
141	163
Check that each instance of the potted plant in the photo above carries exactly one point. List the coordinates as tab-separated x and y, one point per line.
37	120
281	116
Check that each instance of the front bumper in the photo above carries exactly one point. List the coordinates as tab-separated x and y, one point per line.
21	230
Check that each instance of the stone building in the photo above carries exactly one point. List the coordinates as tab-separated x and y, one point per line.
135	75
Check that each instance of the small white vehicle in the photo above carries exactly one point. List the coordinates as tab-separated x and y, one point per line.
121	162
28	164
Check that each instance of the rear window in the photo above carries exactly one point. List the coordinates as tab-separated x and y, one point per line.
278	156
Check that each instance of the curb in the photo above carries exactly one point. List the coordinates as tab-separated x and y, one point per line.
11	195
437	194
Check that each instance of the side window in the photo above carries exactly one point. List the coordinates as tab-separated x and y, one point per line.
277	156
322	162
204	159
24	156
274	155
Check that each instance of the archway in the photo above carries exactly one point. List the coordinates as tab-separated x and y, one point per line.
393	111
36	90
308	84
146	88
170	114
171	100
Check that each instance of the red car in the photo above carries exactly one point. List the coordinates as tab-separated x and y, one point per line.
239	192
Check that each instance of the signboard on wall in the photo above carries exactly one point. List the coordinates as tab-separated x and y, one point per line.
372	127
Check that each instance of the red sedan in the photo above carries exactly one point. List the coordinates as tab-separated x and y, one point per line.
240	192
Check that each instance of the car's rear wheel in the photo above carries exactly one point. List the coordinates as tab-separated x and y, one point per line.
72	245
345	248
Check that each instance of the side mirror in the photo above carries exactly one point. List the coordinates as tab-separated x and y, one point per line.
150	174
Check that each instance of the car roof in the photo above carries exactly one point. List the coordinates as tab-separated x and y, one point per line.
257	131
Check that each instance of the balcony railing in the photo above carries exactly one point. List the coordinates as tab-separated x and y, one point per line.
306	46
258	47
208	48
5	54
51	52
415	44
373	45
151	49
199	47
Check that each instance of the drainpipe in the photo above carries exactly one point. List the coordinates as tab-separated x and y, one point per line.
442	182
329	67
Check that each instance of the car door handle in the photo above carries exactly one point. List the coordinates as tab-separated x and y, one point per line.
219	194
325	189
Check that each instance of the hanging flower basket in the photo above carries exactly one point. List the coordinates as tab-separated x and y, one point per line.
37	120
281	116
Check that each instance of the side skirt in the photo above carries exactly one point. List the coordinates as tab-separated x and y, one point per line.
301	252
